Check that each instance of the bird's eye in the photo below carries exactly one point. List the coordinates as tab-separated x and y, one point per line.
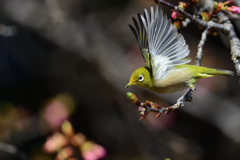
140	78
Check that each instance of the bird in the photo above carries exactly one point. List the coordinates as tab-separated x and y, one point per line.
165	53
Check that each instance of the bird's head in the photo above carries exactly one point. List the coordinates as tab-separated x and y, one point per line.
141	77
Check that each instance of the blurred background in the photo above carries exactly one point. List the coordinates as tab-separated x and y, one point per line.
69	61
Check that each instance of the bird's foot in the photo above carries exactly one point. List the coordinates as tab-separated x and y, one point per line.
188	95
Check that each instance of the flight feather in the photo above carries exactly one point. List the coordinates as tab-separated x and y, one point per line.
165	47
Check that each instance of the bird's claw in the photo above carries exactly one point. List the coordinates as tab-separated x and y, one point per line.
188	97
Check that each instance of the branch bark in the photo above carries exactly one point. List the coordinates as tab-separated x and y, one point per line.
200	46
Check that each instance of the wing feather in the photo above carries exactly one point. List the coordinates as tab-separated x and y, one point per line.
167	48
141	36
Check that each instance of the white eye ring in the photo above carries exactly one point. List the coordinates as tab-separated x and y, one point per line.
141	78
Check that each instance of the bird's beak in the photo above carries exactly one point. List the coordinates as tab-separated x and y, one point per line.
130	83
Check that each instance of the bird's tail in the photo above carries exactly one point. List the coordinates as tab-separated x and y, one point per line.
224	72
210	72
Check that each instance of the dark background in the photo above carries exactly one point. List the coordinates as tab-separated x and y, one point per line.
82	53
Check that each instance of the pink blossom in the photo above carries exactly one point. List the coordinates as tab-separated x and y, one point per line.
99	151
234	9
88	155
50	146
175	15
228	2
55	113
54	143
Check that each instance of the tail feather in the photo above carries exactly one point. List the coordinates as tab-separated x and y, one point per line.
204	72
225	72
210	72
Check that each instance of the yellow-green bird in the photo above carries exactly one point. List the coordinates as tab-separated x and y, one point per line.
164	52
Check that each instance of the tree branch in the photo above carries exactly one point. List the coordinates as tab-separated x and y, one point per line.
193	18
200	46
234	41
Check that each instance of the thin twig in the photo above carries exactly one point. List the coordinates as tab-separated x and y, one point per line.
193	18
148	106
200	46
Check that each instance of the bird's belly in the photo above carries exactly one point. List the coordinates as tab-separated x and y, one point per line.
175	80
171	89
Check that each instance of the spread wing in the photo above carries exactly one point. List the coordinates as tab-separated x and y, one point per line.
167	48
141	36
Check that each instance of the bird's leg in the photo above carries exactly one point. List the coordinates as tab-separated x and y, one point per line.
188	94
187	97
